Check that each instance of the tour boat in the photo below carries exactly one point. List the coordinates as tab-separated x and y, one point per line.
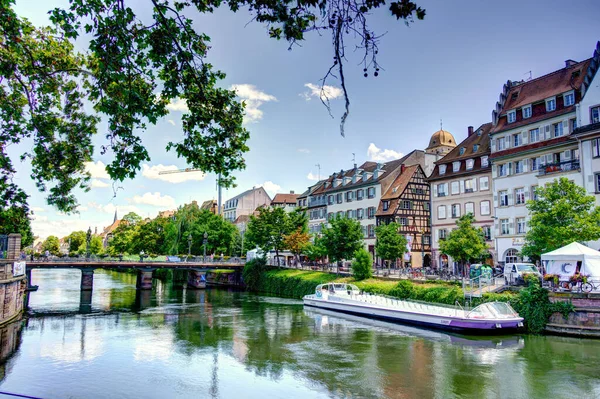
497	317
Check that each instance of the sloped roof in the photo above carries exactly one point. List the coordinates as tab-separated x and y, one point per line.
395	190
284	199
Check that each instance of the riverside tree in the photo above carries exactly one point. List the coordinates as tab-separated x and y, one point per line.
465	243
362	265
342	239
561	214
52	245
137	61
75	239
296	241
15	220
390	244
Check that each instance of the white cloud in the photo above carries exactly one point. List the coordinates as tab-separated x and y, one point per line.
37	209
304	150
152	172
154	199
82	208
271	187
172	122
178	104
60	228
382	155
253	98
99	184
325	93
111	208
97	170
312	177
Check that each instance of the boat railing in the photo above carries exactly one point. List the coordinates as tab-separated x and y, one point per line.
414	304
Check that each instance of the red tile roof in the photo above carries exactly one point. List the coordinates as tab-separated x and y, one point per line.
285	199
396	189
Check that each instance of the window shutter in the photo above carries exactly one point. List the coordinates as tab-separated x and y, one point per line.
525	165
474	184
493	145
526	193
549	159
507	141
525	137
494	173
495	202
461	186
567	154
510	199
511	227
509	169
565	127
547	133
435	190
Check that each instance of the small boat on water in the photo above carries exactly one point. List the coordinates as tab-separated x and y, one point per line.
490	317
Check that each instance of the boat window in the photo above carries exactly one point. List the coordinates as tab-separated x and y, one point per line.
514	269
527	268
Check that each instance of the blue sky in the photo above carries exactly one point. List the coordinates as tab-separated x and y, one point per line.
451	66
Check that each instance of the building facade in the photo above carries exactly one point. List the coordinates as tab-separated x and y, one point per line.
285	201
245	203
406	201
531	145
461	184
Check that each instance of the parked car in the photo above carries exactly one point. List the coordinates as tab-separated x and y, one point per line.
513	272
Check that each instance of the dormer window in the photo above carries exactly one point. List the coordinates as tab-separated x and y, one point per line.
470	163
461	151
386	205
455	166
442	169
511	116
484	162
475	147
569	98
527	111
550	104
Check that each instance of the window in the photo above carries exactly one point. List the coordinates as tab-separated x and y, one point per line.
406	204
569	98
502	169
426	240
519	166
516	139
340	214
595	114
503	197
339	198
371	212
526	111
475	147
441	189
534	164
550	104
426	206
484	207
484	162
487	232
442	169
573	124
349	214
442	234
520	225
360	194
511	116
469	185
500	144
461	151
470	163
442	211
534	193
534	135
360	213
371	230
596	148
386	205
455	211
519	196
558	129
484	183
512	256
349	196
504	228
330	200
597	179
364	230
403	221
454	187
456	166
371	192
470	208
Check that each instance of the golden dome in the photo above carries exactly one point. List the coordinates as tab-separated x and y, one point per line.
442	138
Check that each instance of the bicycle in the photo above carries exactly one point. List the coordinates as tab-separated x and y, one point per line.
590	286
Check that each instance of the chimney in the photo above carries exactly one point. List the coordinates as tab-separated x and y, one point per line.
291	191
402	167
470	131
570	63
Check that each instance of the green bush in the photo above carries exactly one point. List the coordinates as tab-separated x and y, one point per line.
362	265
253	273
403	290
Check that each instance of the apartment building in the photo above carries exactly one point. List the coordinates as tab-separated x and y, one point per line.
461	184
245	203
531	145
285	201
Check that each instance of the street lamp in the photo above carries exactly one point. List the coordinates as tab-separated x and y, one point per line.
422	247
205	242
88	239
189	245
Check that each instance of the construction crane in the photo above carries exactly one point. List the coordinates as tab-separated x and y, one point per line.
168	172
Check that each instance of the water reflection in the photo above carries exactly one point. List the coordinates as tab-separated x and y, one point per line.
221	344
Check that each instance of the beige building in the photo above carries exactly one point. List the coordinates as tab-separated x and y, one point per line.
461	183
245	203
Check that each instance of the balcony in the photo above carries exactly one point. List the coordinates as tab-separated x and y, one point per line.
559	167
316	202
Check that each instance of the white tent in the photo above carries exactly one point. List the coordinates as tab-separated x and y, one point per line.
563	261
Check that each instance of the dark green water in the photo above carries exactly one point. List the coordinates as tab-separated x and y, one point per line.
224	344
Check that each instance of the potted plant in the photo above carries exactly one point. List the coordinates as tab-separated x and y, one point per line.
552	278
578	278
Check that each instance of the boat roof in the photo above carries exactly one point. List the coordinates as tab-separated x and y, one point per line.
340	286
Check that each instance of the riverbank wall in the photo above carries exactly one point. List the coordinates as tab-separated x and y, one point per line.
13	282
584	321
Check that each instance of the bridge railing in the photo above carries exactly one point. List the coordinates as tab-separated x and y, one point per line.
144	259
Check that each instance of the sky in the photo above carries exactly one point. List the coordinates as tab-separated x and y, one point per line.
449	67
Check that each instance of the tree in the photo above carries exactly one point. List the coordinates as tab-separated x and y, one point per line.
342	239
316	250
296	241
561	214
465	243
362	266
75	240
16	220
133	67
131	219
96	245
269	228
390	244
52	245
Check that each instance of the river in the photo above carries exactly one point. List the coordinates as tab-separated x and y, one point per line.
219	343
